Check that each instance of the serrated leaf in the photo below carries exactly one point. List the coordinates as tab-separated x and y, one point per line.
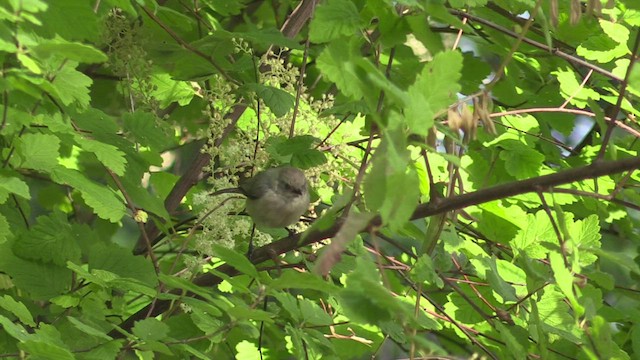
39	151
498	284
4	231
83	27
18	309
150	329
277	100
29	63
71	50
308	159
101	198
295	144
435	88
571	89
46	350
289	303
146	130
556	315
14	330
50	240
13	185
530	239
41	281
88	329
72	86
206	321
336	64
564	279
585	237
297	280
168	90
424	271
109	155
334	19
521	161
605	47
235	259
120	261
390	171
514	338
272	36
247	350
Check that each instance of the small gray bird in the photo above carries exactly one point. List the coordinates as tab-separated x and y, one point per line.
276	197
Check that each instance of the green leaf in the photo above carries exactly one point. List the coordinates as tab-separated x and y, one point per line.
12	185
514	338
585	238
271	36
150	329
18	309
530	241
301	150
109	155
179	283
308	159
390	172
72	86
71	50
41	281
289	303
556	315
166	90
564	279
521	161
50	240
46	350
120	261
235	259
38	151
88	329
29	63
296	280
206	322
498	284
5	230
433	91
296	144
277	100
571	89
83	27
146	130
16	331
101	198
337	65
333	19
604	341
424	271
607	46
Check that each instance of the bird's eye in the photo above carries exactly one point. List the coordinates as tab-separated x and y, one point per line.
292	189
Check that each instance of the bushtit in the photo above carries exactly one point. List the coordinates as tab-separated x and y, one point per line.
276	197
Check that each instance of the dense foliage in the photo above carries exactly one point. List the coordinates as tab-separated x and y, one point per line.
471	165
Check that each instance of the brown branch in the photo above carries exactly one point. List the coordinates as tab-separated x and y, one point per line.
552	50
295	241
291	28
623	89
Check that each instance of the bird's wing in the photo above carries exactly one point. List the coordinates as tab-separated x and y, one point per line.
254	187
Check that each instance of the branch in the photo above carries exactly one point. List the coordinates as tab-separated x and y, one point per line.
294	241
290	29
539	45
